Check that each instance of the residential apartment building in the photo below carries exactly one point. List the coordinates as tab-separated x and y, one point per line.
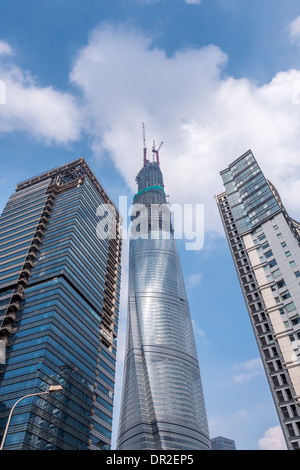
264	242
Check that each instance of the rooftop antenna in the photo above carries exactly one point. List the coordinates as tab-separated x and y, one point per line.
156	151
145	148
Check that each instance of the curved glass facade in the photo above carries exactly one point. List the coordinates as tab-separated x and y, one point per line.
162	403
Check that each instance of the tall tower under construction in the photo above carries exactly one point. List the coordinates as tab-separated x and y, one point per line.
162	399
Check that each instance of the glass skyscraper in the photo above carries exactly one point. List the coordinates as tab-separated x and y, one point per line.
59	302
162	399
222	443
265	246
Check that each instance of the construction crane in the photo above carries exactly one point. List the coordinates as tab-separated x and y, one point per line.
145	148
156	151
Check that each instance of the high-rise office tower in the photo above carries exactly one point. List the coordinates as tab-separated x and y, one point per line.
59	298
264	242
222	443
162	399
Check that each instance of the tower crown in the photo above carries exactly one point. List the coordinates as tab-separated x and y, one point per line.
150	179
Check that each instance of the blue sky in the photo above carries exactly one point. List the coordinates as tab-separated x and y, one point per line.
211	79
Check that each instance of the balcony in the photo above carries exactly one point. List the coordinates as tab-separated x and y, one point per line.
18	292
23	278
39	233
13	306
9	318
41	226
5	329
28	264
36	239
34	248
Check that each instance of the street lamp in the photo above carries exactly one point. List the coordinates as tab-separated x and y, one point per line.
52	389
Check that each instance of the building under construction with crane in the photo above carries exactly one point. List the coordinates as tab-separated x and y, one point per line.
150	180
162	399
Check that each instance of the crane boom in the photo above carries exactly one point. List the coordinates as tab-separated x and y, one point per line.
144	142
157	151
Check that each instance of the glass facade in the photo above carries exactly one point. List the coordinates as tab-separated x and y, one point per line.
249	194
59	313
222	443
162	401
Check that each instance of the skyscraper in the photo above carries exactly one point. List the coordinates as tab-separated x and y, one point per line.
162	399
222	443
264	242
59	301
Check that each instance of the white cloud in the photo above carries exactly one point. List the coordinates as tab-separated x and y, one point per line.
205	118
5	48
147	2
272	440
248	370
197	330
193	2
294	31
43	112
194	279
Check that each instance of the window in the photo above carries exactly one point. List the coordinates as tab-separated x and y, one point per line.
279	235
268	254
283	244
276	273
281	284
285	295
290	307
297	273
272	263
261	237
275	227
265	245
292	263
295	320
287	254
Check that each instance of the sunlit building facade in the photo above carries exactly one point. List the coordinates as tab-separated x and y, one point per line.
264	242
59	302
162	400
